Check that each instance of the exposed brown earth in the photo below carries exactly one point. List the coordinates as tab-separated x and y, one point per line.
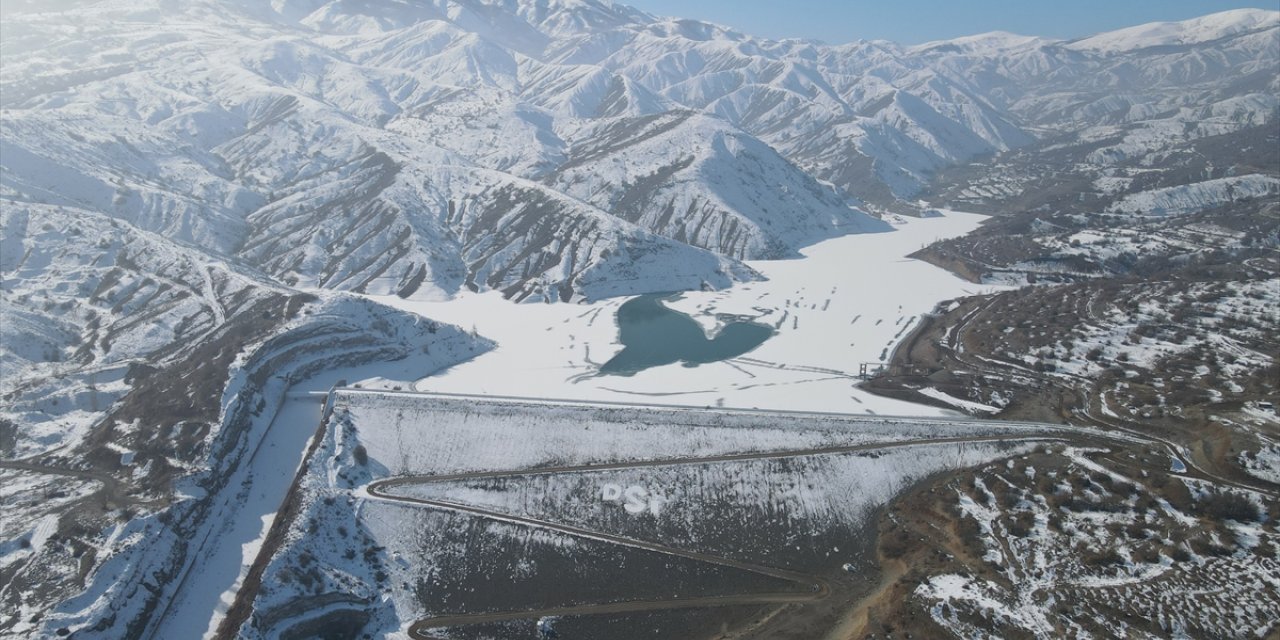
923	534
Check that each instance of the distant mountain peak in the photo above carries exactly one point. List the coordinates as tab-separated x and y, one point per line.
991	42
1186	32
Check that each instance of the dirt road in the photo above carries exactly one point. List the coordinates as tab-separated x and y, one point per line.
811	587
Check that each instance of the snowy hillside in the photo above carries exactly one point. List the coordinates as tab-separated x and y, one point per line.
697	180
1197	196
86	299
386	150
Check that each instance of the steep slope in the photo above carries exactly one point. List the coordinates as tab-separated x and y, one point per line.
335	160
879	120
817	105
146	370
88	301
442	88
722	190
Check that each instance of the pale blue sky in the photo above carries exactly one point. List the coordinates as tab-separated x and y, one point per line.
916	21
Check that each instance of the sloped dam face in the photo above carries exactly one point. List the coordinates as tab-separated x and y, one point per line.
654	335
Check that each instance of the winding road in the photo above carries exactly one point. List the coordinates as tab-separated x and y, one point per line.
811	587
954	336
803	588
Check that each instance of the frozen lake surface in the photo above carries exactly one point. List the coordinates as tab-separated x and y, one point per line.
849	300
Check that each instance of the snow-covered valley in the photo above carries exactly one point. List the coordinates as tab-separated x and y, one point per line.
212	210
844	304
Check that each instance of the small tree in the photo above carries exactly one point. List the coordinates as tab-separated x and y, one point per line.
1232	506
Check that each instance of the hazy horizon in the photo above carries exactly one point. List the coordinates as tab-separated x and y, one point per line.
837	22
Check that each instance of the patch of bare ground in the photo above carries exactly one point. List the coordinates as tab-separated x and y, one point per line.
1190	358
1159	326
1064	540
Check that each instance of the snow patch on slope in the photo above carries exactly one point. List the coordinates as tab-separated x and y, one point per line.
1197	196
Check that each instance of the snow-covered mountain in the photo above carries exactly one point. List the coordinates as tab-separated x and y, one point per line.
552	150
187	189
1188	32
422	147
359	146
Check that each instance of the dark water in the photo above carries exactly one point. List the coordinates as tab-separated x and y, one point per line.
653	335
